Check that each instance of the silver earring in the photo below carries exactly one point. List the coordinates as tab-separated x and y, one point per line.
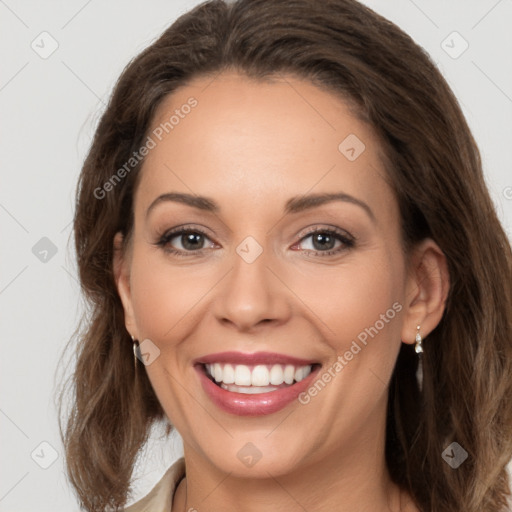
136	350
419	350
418	347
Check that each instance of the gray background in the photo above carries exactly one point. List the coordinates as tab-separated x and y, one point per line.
49	108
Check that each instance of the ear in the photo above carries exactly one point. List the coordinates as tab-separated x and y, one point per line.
121	265
428	283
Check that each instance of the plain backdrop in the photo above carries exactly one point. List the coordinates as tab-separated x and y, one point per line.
49	107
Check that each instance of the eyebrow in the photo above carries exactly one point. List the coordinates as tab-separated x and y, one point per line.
293	205
301	203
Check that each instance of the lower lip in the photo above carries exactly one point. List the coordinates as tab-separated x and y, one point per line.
242	404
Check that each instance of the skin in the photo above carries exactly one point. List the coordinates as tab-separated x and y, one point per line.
250	146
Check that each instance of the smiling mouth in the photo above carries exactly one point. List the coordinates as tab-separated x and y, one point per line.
256	379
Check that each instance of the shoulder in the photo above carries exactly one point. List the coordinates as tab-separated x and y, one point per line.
159	499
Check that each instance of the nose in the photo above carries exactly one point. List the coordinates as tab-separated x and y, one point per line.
252	295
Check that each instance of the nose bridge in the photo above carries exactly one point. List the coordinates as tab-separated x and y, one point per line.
251	293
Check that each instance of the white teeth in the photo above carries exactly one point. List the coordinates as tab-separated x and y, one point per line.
302	372
247	390
228	376
260	376
276	375
242	375
217	372
289	374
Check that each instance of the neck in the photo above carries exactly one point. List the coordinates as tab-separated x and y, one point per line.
353	478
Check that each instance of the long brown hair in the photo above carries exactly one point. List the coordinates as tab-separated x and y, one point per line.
434	166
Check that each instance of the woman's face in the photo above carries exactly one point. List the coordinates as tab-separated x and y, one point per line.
271	281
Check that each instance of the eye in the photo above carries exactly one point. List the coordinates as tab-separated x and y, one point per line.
326	242
190	241
184	241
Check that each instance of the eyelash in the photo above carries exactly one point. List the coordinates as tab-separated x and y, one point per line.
347	240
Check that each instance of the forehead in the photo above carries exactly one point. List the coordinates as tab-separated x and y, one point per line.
248	141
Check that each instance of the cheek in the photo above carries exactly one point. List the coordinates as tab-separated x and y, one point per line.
355	297
370	302
164	295
165	300
371	327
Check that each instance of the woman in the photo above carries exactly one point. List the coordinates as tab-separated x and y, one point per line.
283	212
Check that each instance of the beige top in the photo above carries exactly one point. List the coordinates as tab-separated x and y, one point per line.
159	499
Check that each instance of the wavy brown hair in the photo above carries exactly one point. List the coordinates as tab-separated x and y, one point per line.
434	166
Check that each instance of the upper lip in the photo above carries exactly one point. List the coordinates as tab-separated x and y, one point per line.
252	358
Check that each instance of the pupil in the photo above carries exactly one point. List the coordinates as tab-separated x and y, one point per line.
189	239
321	238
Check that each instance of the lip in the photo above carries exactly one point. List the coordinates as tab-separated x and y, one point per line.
252	359
241	404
